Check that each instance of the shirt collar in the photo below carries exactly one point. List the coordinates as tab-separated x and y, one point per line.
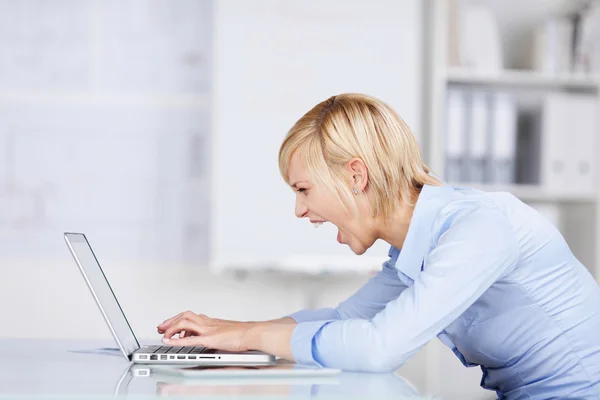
429	203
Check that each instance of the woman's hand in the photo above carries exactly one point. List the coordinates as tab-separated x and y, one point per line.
272	337
200	330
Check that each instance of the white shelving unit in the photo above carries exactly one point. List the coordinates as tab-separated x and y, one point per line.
521	79
580	211
535	193
442	76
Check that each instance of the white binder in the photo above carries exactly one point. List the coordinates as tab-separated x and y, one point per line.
583	114
504	138
456	108
478	135
480	41
552	43
556	123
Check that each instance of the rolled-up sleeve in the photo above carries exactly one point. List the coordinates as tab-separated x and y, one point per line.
315	315
302	341
476	247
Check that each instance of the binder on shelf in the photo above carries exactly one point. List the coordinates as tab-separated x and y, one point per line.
587	41
480	46
583	110
478	138
455	148
503	110
553	46
529	145
556	124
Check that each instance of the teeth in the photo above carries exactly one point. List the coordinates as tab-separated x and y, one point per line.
317	224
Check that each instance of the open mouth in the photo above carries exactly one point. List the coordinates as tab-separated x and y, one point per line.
318	223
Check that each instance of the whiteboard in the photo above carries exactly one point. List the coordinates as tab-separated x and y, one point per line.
274	60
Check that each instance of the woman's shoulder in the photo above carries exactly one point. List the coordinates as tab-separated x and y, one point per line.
476	209
498	215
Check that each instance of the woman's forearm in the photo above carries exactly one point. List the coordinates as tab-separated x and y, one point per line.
284	320
272	337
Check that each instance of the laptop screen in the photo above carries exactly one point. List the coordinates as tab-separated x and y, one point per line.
102	292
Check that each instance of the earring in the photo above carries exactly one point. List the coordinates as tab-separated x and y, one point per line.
355	191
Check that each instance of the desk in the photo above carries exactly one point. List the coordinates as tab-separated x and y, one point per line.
42	368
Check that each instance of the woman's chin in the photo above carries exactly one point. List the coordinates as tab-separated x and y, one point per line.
357	249
359	252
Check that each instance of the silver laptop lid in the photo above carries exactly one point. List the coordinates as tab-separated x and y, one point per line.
102	292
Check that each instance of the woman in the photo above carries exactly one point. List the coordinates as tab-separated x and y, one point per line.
482	271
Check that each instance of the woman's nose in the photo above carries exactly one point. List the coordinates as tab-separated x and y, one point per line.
301	209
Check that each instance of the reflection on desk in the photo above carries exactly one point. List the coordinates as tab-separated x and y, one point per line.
43	368
345	384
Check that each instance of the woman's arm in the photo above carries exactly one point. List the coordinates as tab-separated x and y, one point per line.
470	256
274	336
366	302
284	320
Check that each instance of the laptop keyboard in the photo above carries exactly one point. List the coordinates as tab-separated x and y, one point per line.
176	350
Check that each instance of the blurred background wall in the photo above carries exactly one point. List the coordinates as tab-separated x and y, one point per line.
153	127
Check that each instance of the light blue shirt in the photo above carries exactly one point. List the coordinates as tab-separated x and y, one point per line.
492	279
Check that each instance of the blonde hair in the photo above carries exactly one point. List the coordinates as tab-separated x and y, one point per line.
356	125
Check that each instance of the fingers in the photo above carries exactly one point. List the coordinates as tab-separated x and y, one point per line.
187	341
181	325
188	314
186	334
186	325
164	325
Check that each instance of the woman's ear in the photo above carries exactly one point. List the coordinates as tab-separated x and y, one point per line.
359	174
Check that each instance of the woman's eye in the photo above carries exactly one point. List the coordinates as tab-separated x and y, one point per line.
301	190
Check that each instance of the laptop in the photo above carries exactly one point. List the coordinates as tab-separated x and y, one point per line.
121	330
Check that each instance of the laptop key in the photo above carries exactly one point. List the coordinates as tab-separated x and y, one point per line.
209	351
163	350
197	350
186	350
175	349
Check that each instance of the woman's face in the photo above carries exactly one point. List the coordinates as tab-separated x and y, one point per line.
319	205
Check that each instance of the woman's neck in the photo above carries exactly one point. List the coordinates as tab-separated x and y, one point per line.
394	229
